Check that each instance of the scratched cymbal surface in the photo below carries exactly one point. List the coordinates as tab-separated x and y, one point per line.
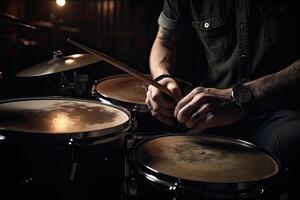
59	116
206	159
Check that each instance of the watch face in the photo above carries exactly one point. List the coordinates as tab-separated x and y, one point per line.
242	95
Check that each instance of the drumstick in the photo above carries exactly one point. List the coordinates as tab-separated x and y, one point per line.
123	67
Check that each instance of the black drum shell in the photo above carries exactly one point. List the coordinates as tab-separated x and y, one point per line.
78	166
153	184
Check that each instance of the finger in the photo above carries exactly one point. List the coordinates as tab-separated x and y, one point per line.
175	90
162	118
147	100
167	112
157	96
187	99
182	103
186	112
198	115
203	124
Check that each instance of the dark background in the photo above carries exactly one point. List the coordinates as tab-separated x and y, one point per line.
123	29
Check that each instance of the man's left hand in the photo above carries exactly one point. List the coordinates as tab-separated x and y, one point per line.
205	108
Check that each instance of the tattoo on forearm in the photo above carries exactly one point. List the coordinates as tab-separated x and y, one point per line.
166	35
281	87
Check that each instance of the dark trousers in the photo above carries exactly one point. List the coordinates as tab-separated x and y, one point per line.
277	133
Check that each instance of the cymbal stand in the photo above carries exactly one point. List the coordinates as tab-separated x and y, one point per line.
79	83
78	86
64	85
74	159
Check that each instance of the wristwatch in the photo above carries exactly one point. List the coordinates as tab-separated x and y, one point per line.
243	97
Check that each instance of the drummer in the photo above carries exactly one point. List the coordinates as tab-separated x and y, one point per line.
251	56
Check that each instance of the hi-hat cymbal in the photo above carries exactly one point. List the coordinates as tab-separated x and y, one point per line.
59	64
10	20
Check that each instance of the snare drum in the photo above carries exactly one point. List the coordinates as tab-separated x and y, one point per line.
66	147
202	167
124	90
130	92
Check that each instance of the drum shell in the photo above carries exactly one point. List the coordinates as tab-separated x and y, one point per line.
148	189
77	166
37	170
153	184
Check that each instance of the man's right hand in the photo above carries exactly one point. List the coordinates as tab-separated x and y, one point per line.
162	107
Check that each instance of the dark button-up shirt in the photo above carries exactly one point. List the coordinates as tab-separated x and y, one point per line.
241	39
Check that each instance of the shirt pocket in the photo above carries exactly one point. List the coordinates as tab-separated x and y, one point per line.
214	32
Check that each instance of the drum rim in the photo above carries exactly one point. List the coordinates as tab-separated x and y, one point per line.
184	184
97	94
103	133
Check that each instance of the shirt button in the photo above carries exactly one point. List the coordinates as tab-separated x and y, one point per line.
243	56
206	25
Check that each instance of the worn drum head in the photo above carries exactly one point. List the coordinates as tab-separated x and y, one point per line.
205	159
62	116
124	88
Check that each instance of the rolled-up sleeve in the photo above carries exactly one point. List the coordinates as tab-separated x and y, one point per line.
175	15
166	22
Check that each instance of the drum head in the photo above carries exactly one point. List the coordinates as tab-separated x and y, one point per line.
60	116
205	159
124	88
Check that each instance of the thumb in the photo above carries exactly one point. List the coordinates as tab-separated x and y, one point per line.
175	90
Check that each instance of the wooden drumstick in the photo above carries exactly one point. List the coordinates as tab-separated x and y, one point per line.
123	67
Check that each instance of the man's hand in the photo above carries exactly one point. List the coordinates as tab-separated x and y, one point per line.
205	108
162	108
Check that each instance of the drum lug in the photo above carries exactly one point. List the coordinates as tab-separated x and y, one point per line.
175	189
26	182
2	138
93	90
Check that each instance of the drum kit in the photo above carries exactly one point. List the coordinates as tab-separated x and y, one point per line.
63	147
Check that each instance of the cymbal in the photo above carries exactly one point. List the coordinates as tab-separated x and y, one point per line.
59	63
42	24
11	20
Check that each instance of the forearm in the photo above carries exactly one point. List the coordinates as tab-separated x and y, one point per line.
163	53
278	89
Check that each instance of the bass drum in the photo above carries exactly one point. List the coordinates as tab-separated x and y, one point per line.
130	92
202	167
61	148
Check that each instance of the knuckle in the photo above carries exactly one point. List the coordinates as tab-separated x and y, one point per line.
180	117
179	105
173	89
198	89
